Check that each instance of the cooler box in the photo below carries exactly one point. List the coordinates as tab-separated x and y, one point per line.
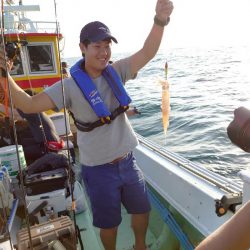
6	245
43	234
45	182
56	204
9	159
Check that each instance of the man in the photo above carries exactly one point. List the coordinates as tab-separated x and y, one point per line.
105	142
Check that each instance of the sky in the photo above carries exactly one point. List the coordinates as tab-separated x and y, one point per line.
198	23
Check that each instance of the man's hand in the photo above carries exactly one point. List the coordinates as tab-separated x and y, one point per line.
152	43
163	9
133	111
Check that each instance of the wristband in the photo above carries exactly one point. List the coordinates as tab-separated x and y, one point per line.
157	21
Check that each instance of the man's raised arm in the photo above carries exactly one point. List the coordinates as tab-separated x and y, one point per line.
151	45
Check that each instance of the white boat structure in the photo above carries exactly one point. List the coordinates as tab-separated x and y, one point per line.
188	201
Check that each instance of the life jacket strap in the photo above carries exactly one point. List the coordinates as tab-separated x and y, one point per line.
88	126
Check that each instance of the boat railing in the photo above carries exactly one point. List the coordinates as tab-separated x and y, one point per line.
28	26
15	20
226	184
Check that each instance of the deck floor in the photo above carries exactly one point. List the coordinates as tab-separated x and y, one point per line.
90	234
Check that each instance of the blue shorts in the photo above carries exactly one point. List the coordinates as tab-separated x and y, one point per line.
110	185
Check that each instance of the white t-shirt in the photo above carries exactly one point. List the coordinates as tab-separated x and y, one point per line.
105	143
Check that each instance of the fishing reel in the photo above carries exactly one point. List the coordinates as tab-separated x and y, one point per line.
12	50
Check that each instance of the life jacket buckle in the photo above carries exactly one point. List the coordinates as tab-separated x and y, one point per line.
106	120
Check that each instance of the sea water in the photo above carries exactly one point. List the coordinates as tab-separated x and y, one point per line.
206	85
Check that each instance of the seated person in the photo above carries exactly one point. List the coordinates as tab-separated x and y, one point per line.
40	136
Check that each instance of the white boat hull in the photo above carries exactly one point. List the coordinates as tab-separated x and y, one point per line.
190	194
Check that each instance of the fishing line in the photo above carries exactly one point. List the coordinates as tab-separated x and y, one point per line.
67	132
14	129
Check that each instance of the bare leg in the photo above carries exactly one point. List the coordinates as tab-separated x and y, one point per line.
140	225
108	237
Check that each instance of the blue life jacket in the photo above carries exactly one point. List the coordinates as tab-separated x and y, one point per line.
90	92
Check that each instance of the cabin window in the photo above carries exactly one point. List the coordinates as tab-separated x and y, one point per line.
17	68
41	58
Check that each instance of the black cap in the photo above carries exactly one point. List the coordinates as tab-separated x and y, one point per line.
95	31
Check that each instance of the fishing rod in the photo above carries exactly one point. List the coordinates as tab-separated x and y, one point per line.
65	116
4	74
67	138
11	51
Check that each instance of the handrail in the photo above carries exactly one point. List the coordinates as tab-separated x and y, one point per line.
35	26
213	178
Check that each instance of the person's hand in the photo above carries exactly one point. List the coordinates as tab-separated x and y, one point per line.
163	9
133	111
136	111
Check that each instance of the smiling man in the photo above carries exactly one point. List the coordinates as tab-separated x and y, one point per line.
96	97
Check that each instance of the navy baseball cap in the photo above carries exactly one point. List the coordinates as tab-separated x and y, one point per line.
95	31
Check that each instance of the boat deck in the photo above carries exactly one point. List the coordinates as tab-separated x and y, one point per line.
90	234
183	192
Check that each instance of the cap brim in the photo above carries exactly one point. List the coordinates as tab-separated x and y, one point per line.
104	37
114	39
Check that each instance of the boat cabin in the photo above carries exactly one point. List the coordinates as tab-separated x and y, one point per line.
34	47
